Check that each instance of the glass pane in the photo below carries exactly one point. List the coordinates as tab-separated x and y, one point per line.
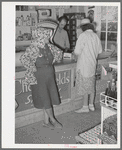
111	45
103	12
112	26
111	36
103	45
112	13
103	36
103	25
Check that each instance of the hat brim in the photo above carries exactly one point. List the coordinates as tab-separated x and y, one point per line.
79	27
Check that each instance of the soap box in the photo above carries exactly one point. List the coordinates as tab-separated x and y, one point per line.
67	56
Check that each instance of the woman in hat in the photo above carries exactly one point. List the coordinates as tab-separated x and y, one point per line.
61	38
38	60
88	49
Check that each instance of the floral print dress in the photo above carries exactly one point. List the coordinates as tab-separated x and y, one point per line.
38	60
88	46
32	52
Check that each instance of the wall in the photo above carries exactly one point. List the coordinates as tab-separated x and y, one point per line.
74	9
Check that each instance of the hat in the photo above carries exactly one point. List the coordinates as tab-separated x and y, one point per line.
83	22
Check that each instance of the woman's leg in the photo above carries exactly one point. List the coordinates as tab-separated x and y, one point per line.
52	118
85	102
46	117
85	105
91	102
50	114
92	96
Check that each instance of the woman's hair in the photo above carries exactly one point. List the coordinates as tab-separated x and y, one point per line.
87	27
63	18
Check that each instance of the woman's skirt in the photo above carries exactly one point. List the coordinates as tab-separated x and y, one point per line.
45	93
84	85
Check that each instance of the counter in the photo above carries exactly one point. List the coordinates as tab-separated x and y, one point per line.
65	77
113	64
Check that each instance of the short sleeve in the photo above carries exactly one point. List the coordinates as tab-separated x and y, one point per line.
80	44
67	41
100	47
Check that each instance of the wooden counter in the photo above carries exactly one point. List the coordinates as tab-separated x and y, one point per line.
65	76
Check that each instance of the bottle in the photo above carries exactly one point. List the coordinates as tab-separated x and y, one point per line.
113	87
22	20
114	75
27	18
32	21
19	21
107	92
108	88
20	33
116	91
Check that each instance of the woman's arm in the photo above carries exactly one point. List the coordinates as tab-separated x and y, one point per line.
79	45
67	42
26	60
104	55
57	53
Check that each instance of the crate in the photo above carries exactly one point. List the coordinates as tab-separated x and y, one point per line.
108	101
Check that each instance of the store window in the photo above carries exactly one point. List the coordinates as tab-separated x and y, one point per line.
109	23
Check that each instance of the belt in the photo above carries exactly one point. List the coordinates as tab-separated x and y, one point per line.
45	65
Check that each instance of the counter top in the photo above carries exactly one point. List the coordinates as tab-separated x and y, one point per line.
65	62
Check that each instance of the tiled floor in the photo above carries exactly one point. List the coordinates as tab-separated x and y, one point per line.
73	124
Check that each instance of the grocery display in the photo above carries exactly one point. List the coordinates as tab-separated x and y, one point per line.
109	97
25	20
109	102
71	27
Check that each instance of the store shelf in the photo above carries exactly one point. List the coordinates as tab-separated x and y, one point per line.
26	12
23	43
21	27
71	27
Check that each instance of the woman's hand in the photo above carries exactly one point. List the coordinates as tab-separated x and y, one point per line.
104	55
53	61
66	49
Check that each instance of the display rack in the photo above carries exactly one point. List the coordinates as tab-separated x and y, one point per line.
71	27
25	20
108	108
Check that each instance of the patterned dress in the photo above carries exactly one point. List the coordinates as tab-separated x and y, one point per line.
40	74
88	46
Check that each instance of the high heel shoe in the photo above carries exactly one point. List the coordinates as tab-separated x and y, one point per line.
57	124
48	125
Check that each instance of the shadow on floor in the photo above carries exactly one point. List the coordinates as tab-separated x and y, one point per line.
73	124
